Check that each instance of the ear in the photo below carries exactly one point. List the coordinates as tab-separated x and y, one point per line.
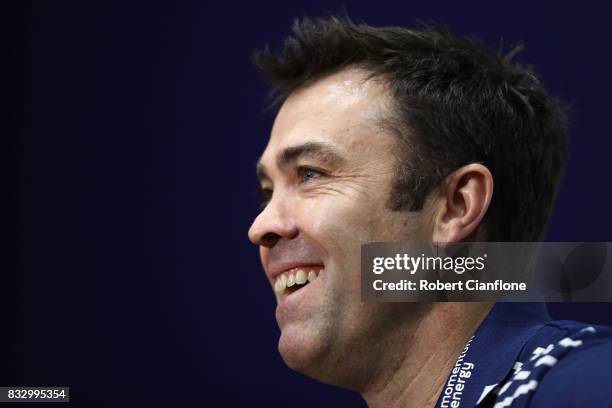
464	199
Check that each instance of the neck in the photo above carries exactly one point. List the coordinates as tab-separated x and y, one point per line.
412	370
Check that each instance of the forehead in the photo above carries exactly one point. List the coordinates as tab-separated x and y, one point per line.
344	109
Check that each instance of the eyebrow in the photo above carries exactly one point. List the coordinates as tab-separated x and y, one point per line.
323	152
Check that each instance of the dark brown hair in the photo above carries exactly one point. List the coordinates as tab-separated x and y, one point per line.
456	103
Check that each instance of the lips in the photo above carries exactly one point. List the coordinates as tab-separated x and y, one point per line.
296	277
293	263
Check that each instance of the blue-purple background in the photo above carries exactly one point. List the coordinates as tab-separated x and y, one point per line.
139	126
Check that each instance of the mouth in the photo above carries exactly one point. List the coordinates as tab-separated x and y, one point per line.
294	279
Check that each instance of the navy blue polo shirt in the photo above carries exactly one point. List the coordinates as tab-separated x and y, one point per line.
518	357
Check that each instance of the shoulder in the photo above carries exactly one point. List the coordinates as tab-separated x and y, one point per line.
582	373
566	364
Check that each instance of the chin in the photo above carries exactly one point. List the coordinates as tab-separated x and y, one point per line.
303	351
315	358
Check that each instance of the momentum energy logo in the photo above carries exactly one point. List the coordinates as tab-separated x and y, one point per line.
486	271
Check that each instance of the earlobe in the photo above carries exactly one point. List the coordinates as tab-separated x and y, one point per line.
463	201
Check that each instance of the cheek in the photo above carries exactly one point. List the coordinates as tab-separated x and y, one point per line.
340	227
339	221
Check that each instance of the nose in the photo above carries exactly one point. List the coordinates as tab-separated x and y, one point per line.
272	224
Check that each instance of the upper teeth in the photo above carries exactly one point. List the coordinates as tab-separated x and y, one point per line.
295	276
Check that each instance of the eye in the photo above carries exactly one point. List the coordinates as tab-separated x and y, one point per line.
306	174
264	195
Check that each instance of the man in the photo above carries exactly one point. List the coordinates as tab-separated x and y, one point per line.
390	134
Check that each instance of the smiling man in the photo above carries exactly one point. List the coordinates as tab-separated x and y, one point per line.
390	134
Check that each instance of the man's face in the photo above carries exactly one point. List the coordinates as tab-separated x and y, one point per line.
330	167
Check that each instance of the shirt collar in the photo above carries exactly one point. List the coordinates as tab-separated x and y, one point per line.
490	354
